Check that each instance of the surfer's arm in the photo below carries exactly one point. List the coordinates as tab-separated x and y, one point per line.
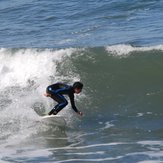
73	105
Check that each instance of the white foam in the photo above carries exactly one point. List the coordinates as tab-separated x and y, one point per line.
125	50
155	155
149	161
150	142
91	146
18	67
26	154
91	160
25	74
140	114
107	125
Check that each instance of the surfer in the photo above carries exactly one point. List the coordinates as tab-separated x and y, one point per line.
56	92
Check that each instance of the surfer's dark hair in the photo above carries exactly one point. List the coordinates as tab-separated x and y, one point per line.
78	85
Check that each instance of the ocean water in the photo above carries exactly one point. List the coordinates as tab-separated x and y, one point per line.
115	48
53	24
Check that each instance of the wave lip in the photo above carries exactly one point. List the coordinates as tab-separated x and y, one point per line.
124	49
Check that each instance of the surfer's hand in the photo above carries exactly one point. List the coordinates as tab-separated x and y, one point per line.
80	113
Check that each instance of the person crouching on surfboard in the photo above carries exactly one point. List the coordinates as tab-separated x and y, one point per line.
56	92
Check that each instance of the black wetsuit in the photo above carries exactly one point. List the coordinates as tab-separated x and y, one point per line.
57	91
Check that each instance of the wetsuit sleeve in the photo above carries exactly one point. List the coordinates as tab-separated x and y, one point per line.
73	103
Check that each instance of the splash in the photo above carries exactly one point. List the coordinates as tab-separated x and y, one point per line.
25	74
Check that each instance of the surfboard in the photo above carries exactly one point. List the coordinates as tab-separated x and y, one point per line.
54	120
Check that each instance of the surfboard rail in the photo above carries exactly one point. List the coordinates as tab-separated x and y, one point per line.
54	119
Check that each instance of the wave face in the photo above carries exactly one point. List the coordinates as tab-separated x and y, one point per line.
121	100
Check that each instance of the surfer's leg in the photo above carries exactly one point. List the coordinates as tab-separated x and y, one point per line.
60	106
62	102
51	93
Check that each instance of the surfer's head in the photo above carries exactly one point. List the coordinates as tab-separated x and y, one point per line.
77	86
